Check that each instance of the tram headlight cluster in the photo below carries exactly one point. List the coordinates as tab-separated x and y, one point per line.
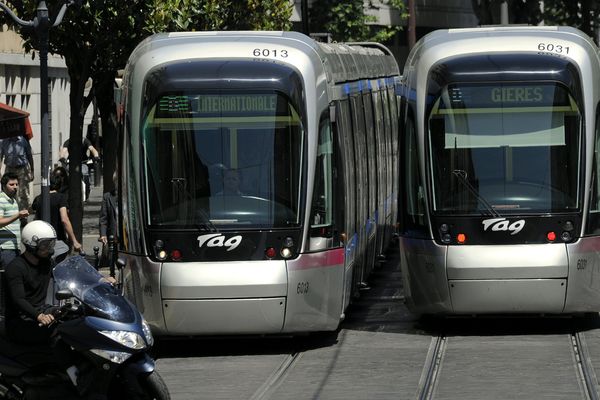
286	251
159	250
162	254
565	236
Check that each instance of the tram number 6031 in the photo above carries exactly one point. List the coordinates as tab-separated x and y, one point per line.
553	48
302	288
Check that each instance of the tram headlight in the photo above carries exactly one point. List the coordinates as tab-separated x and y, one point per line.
566	236
288	242
159	250
286	252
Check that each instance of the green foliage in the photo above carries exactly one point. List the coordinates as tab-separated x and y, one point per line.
347	20
211	15
96	39
584	14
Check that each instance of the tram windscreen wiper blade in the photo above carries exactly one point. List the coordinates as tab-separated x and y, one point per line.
461	174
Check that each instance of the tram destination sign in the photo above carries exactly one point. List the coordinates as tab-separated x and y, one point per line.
206	105
507	95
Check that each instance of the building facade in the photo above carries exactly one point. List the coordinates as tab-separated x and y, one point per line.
20	88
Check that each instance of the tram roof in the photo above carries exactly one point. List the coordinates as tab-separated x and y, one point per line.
343	62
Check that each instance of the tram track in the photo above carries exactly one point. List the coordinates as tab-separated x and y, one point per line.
471	364
584	367
268	388
431	369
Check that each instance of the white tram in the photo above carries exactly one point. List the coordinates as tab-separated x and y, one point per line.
500	176
258	180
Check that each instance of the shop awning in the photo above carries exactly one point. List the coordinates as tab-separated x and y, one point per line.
14	122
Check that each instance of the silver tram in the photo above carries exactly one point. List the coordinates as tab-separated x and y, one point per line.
257	179
500	173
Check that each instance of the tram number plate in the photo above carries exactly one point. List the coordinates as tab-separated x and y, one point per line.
270	53
553	48
581	263
302	288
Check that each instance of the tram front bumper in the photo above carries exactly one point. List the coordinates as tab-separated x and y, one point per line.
508	279
224	298
508	296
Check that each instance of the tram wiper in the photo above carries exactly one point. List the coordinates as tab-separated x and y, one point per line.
206	224
461	174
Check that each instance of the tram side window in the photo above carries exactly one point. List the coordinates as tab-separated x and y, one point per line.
593	225
322	201
413	188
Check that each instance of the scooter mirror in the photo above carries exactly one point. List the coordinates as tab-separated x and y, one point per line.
63	294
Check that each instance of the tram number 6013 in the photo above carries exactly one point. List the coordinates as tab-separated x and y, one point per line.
302	288
270	53
553	48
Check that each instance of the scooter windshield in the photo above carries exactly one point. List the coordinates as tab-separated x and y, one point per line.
90	287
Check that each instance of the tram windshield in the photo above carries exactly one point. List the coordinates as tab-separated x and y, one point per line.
220	160
505	148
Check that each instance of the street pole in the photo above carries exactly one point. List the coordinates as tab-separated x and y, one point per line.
304	16
504	13
41	25
412	24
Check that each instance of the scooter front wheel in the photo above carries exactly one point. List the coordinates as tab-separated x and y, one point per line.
154	387
150	387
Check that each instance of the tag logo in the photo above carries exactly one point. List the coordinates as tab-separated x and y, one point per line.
502	224
218	240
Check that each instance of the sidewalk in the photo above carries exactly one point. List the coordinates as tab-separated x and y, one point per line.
91	213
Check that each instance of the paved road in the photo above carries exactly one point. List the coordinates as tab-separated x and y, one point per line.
383	352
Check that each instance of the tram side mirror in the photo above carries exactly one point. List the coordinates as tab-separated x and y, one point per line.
121	263
63	294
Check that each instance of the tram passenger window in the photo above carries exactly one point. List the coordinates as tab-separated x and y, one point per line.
593	224
414	192
321	216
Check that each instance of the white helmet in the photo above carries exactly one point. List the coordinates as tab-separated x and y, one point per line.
36	232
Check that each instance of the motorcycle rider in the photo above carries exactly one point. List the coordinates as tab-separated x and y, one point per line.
27	277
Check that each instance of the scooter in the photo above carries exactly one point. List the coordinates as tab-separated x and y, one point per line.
104	334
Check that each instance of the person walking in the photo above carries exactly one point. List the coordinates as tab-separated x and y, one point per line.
10	216
86	147
59	217
108	226
17	157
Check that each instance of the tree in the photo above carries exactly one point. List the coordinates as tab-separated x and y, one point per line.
582	14
208	15
346	20
96	39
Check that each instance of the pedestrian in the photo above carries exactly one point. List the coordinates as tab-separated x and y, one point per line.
59	217
86	147
17	157
63	175
108	225
10	216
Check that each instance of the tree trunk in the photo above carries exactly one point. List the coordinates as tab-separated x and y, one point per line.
78	76
106	104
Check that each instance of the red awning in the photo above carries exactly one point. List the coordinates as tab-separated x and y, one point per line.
14	122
